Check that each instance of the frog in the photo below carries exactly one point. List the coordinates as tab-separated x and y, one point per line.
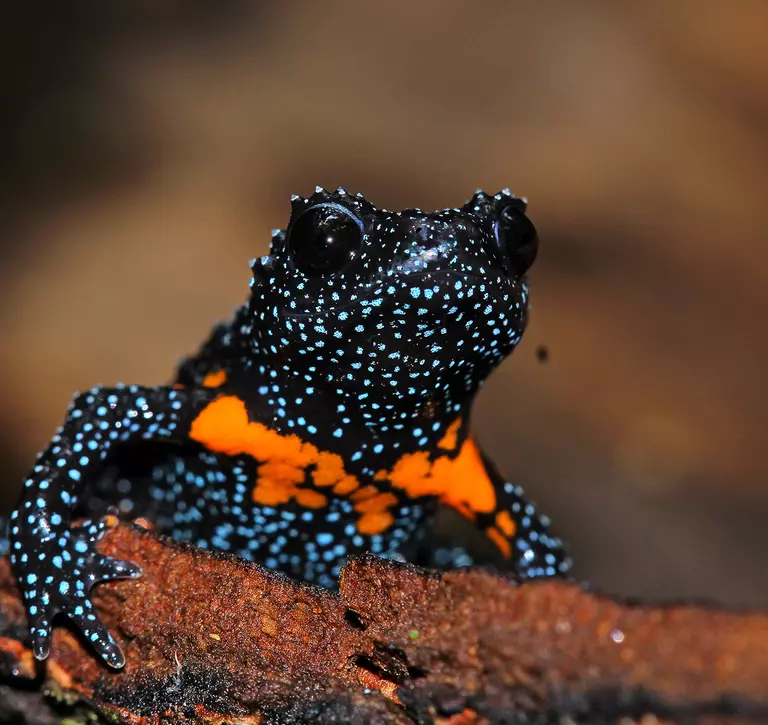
329	416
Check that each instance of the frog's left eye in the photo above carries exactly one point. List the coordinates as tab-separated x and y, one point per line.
517	238
324	239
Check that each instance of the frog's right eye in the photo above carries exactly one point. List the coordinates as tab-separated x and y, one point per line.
517	238
324	239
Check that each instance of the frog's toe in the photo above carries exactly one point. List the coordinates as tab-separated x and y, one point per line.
94	566
104	568
43	606
97	634
41	638
41	609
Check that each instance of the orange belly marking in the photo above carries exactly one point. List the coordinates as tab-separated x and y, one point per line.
502	543
449	441
505	522
461	482
223	426
215	379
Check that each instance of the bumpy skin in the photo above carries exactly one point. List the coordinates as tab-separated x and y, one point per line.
329	416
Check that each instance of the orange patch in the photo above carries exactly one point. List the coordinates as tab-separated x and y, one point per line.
223	426
500	540
465	511
281	473
346	485
329	469
215	380
378	503
267	494
365	493
461	482
505	523
311	499
449	441
375	523
413	473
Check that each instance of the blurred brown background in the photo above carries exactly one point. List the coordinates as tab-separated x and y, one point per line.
148	147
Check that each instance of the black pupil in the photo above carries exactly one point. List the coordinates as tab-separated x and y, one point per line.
323	240
518	239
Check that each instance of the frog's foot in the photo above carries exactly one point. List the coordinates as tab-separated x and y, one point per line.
57	578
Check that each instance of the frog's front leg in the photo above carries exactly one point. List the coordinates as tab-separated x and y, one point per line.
519	532
56	563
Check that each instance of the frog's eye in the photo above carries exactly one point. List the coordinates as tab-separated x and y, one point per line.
324	239
517	238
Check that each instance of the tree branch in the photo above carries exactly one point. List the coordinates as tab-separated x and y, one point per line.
211	638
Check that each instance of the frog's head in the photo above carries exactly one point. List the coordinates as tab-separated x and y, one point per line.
397	307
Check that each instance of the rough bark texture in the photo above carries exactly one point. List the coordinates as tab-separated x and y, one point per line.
210	638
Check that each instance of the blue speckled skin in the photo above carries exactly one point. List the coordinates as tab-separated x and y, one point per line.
367	334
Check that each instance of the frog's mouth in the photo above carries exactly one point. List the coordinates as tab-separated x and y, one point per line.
409	288
424	346
415	365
